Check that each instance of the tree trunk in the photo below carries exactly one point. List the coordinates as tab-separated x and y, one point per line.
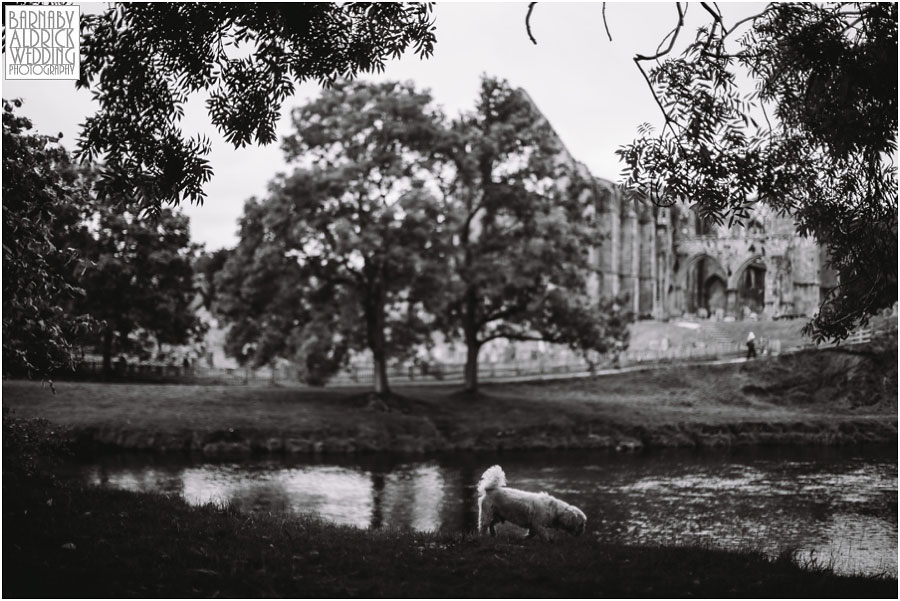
473	346
472	350
382	388
107	353
375	334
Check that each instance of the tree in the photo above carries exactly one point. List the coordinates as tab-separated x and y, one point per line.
352	226
263	295
207	265
40	196
816	138
518	235
139	280
142	61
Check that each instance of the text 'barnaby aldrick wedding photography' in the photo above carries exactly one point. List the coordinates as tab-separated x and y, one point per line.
42	42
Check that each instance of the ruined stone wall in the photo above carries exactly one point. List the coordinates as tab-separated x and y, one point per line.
650	254
647	261
628	237
666	222
608	250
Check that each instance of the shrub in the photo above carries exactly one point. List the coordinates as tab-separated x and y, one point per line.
31	447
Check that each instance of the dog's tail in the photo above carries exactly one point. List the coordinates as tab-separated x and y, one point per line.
491	479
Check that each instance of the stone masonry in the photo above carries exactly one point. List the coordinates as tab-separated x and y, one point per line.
670	264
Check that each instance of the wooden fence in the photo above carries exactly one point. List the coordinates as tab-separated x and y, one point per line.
159	372
363	375
455	372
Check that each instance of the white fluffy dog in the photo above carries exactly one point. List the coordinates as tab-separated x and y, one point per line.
535	511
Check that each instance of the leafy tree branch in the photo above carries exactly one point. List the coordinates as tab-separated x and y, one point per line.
825	90
142	61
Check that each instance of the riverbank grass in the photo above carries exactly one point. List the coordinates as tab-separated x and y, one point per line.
74	542
833	396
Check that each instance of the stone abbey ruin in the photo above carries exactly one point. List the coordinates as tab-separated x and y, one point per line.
672	264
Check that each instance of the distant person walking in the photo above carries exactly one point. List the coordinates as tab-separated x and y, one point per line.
751	345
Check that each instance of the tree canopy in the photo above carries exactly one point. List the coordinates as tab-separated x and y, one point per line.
261	292
42	197
518	233
143	60
138	278
207	265
78	270
397	224
351	226
816	137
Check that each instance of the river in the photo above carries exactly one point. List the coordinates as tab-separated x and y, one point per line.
835	506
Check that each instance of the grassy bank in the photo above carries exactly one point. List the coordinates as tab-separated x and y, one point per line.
69	541
64	542
817	397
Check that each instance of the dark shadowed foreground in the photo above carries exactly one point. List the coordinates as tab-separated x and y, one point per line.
93	543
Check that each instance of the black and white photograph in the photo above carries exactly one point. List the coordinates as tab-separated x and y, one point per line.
449	300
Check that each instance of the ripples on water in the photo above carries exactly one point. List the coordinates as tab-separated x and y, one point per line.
836	507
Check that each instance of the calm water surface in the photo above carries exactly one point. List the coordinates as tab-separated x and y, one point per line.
837	506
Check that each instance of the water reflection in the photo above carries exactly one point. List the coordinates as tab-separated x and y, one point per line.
836	507
412	497
409	496
854	543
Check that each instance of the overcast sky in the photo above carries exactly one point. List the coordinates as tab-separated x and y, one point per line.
587	86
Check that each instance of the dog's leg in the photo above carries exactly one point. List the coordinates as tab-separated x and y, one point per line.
486	518
495	519
480	518
487	527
